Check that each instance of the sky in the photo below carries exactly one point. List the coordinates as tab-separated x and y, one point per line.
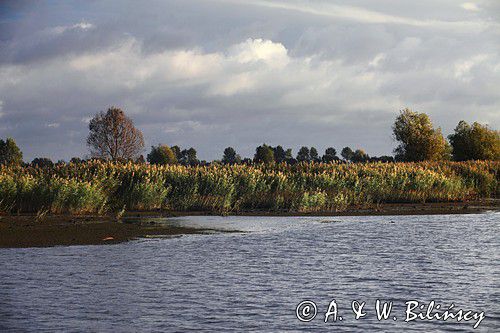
216	73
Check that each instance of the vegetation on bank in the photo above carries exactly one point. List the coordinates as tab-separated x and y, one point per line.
117	178
103	187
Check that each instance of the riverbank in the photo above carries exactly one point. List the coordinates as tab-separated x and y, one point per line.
27	231
100	188
53	230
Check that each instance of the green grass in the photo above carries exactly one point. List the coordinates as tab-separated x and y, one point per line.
99	188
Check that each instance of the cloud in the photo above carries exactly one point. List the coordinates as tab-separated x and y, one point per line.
254	50
363	15
77	26
470	6
221	74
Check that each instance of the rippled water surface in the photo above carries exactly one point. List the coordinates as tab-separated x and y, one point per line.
253	280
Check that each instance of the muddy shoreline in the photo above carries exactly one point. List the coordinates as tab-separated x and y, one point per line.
30	231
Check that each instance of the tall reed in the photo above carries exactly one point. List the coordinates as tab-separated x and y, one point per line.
99	187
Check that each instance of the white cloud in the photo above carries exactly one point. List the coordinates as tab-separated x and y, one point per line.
363	15
254	50
283	72
463	67
470	6
375	62
83	25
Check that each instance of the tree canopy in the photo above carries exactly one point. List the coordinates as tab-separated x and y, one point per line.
264	154
418	140
230	156
161	154
359	156
10	154
476	142
42	162
330	155
304	155
114	136
314	155
346	153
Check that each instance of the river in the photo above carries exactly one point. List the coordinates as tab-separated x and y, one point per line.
253	279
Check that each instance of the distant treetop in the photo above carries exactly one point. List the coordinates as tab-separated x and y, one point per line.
114	136
10	154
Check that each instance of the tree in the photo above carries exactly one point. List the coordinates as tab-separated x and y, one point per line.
347	153
10	154
230	156
140	160
42	162
476	142
360	156
330	155
113	136
162	154
76	160
383	158
418	140
264	154
313	154
188	157
303	155
279	154
177	152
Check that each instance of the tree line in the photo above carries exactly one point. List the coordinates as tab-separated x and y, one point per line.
113	136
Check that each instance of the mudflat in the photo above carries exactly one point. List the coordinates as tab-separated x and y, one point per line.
28	231
53	230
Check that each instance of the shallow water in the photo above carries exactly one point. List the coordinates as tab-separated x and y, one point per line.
253	280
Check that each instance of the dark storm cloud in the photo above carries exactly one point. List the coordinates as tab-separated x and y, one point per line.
210	74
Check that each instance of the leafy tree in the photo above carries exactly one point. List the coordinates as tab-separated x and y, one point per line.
279	154
313	154
360	156
76	160
330	155
304	155
177	151
383	158
42	162
282	155
114	136
347	153
10	154
188	157
476	142
161	154
264	154
140	160
230	156
418	140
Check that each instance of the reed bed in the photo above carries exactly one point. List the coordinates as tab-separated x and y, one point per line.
98	187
